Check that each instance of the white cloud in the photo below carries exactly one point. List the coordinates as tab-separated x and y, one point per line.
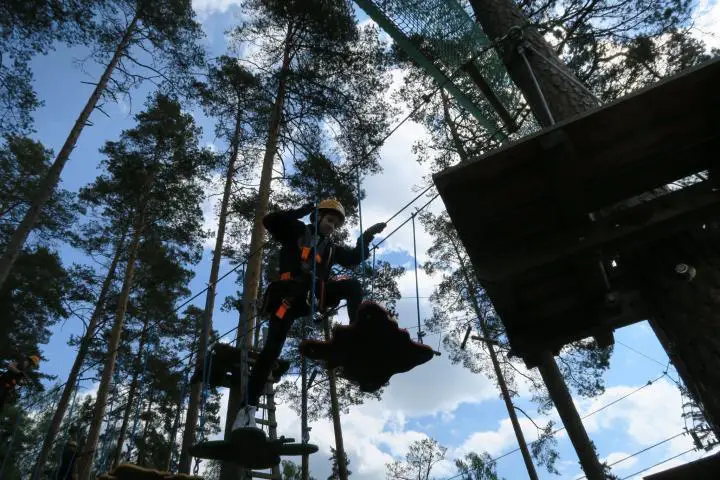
211	207
706	21
647	417
206	7
376	432
498	441
617	457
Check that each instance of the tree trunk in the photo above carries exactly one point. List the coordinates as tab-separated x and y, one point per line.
130	396
335	409
254	262
86	462
77	364
565	97
196	388
51	179
176	420
142	449
569	415
305	463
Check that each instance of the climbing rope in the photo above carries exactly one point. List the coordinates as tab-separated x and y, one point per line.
420	333
304	428
372	277
362	240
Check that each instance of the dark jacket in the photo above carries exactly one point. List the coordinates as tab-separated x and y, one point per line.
286	228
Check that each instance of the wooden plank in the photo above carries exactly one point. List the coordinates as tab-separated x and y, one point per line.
661	216
270	476
652	136
262	421
654	170
682	95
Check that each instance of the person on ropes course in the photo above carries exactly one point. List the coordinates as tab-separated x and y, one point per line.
290	297
14	375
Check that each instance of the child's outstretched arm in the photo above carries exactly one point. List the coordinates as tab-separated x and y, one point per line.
284	225
350	257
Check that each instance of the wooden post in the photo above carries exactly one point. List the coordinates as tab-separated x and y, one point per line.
304	423
335	408
498	372
560	396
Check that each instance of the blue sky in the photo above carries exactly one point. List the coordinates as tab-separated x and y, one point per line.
461	410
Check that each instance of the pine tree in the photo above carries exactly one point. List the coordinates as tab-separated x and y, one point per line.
422	456
142	40
476	467
154	180
28	29
334	461
320	68
231	97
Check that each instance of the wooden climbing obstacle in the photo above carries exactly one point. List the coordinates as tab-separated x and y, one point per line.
543	217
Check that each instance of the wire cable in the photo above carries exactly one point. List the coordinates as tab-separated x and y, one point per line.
659	463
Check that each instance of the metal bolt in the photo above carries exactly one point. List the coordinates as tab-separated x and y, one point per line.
686	271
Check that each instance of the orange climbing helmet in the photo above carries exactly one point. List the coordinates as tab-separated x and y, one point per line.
332	205
34	359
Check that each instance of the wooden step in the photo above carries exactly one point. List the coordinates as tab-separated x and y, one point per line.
261	421
269	476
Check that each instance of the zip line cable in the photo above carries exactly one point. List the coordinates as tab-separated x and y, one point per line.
640	451
659	463
650	382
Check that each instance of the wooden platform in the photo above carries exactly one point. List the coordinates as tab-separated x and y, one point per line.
538	216
703	469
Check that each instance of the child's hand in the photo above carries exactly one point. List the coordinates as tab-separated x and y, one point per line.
374	230
306	209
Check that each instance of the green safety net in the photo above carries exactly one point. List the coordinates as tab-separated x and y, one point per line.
441	37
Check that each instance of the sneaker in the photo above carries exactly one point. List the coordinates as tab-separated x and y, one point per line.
245	418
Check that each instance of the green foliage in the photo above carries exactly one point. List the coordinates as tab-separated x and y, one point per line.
32	300
422	456
21	424
292	471
335	463
157	168
28	28
231	96
23	164
476	467
164	47
616	47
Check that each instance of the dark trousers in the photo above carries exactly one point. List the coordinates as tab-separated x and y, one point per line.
335	291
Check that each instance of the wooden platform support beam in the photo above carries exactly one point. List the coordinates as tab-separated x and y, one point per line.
560	396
